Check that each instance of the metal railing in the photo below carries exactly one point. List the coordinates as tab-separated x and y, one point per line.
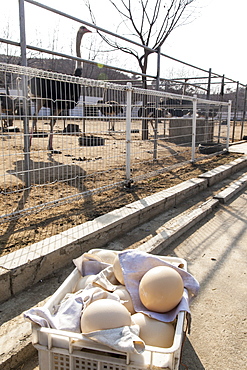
204	83
96	145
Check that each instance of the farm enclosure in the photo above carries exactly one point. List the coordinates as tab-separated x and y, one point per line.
95	149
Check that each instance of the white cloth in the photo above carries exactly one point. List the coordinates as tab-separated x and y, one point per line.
67	317
135	264
89	264
67	314
124	339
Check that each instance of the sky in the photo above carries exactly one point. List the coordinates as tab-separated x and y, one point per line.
214	38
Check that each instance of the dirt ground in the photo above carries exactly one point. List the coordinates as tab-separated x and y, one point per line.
34	227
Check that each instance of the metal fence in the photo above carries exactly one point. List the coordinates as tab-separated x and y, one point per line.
206	83
81	143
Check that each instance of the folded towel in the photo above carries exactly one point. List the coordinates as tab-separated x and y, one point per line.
135	264
67	313
89	264
124	339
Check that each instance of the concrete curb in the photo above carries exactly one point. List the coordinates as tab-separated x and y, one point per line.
221	172
16	358
177	227
182	223
23	268
225	195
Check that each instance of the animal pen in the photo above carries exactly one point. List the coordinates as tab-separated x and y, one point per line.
89	135
93	152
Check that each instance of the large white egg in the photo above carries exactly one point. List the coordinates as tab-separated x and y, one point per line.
106	256
161	289
153	332
118	272
124	295
83	281
104	314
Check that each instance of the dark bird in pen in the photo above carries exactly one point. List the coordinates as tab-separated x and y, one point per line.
110	109
177	107
57	95
7	107
151	110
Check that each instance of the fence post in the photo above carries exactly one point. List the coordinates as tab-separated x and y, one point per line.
25	95
244	113
193	147
209	83
22	33
235	111
128	132
228	124
157	84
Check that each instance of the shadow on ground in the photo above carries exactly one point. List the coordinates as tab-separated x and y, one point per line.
189	358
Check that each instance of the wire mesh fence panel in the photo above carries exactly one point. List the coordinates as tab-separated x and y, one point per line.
212	128
73	151
159	149
68	137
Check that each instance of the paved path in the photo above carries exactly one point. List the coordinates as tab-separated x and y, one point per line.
216	251
239	148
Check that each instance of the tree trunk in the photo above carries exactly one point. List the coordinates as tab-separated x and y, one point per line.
144	85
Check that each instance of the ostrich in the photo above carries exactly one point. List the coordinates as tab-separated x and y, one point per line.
110	109
184	108
177	107
7	106
57	95
151	112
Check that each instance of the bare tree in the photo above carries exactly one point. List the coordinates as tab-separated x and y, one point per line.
148	22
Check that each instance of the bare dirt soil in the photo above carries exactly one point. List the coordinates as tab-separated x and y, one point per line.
34	227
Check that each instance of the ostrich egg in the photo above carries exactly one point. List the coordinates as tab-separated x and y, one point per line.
83	281
106	256
104	314
161	289
118	272
124	295
153	332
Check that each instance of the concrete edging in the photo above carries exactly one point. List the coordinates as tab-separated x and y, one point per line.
177	227
232	190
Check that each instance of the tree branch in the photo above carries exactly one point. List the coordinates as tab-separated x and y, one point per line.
150	21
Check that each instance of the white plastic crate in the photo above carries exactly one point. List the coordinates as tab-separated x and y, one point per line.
63	350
